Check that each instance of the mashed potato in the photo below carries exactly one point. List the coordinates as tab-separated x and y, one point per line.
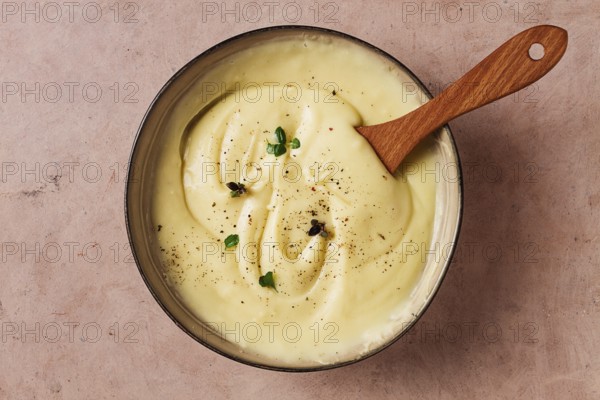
243	261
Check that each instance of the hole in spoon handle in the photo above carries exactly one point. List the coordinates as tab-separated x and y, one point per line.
536	51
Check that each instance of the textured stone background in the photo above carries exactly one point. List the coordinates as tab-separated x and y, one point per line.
516	318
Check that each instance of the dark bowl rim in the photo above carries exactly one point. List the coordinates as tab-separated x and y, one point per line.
130	180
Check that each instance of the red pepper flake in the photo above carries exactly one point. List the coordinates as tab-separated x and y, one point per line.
313	189
330	129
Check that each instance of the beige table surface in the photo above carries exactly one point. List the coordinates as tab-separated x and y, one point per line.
517	316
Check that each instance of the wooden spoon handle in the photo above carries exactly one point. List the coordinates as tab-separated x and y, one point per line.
508	69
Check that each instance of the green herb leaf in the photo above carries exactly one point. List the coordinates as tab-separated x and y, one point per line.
271	148
279	150
237	189
231	241
317	228
267	280
295	143
280	133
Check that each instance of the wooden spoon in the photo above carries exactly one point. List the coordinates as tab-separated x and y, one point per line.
508	69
